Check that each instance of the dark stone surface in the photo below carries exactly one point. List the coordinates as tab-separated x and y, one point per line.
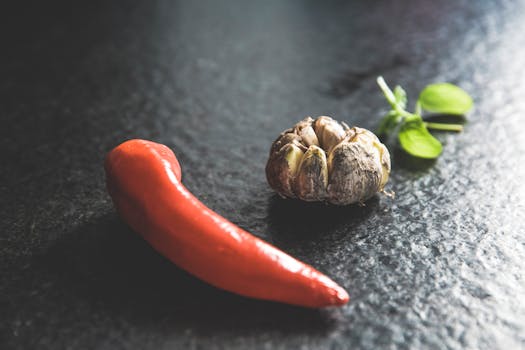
441	266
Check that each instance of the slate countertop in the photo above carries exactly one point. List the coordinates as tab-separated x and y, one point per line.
440	266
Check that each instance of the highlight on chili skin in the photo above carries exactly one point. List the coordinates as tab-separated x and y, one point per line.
144	182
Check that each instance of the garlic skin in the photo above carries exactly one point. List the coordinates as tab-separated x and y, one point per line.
324	160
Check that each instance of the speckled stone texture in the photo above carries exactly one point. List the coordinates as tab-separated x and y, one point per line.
440	266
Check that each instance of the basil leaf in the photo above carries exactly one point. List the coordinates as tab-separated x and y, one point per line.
401	97
445	98
417	141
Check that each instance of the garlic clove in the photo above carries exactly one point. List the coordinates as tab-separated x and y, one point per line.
385	166
312	177
329	132
354	175
288	136
305	130
282	168
381	154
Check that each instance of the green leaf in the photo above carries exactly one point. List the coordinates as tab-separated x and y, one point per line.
401	97
417	141
445	98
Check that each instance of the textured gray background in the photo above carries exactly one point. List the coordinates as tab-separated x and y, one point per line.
441	266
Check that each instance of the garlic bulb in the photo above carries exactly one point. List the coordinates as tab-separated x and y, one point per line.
324	160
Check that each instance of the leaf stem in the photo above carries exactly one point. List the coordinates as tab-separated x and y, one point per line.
444	127
391	98
407	115
418	109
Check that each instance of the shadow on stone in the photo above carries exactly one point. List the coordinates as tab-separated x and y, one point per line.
404	160
293	221
445	118
112	268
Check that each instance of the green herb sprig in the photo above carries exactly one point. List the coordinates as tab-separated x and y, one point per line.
412	130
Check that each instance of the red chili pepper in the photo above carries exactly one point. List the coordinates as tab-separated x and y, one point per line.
144	181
